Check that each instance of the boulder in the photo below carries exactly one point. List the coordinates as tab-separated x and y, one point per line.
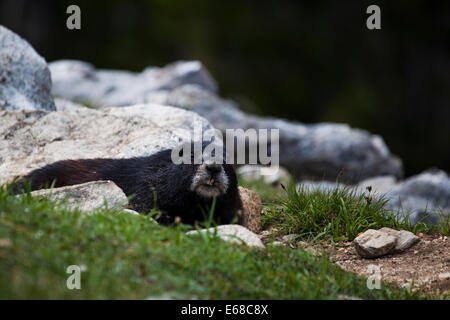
319	150
267	174
32	139
252	207
80	81
87	196
25	81
235	234
424	197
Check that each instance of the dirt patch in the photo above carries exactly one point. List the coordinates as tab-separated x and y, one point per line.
425	266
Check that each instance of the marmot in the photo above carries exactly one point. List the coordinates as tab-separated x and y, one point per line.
180	190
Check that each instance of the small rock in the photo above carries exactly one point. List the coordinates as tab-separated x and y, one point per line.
345	297
264	234
252	204
6	242
276	243
235	234
289	238
444	276
87	196
374	243
269	176
405	239
131	211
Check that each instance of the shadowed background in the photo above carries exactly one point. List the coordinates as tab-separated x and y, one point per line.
311	62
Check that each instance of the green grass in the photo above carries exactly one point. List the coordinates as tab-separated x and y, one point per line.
128	256
335	214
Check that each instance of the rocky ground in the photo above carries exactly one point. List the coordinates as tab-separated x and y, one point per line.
425	266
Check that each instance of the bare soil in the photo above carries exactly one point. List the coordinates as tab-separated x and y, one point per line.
425	266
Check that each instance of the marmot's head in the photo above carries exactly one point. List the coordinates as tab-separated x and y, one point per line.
210	180
209	176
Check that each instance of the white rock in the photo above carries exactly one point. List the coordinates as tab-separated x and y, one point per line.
235	234
379	185
444	276
276	244
63	104
87	196
374	243
80	81
32	139
405	239
269	175
131	211
289	238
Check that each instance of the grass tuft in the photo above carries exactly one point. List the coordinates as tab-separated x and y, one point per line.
336	214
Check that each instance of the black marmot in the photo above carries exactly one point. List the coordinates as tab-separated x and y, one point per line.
180	190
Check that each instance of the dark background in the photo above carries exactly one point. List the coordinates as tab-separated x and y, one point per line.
312	61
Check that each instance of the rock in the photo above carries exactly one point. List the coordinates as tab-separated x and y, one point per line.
131	211
264	234
5	242
289	238
25	81
444	276
276	244
256	172
424	197
32	139
320	150
345	297
405	239
87	196
80	81
235	234
63	105
251	215
374	243
379	185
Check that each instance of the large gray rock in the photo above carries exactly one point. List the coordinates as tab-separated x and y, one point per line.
25	81
320	150
87	196
80	81
32	139
424	197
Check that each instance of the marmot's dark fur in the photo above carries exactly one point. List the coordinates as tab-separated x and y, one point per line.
183	190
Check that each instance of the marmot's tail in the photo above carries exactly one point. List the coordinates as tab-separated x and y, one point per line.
61	173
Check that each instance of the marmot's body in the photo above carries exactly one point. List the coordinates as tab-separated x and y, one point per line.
183	190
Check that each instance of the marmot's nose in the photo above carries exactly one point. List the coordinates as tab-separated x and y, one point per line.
213	168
